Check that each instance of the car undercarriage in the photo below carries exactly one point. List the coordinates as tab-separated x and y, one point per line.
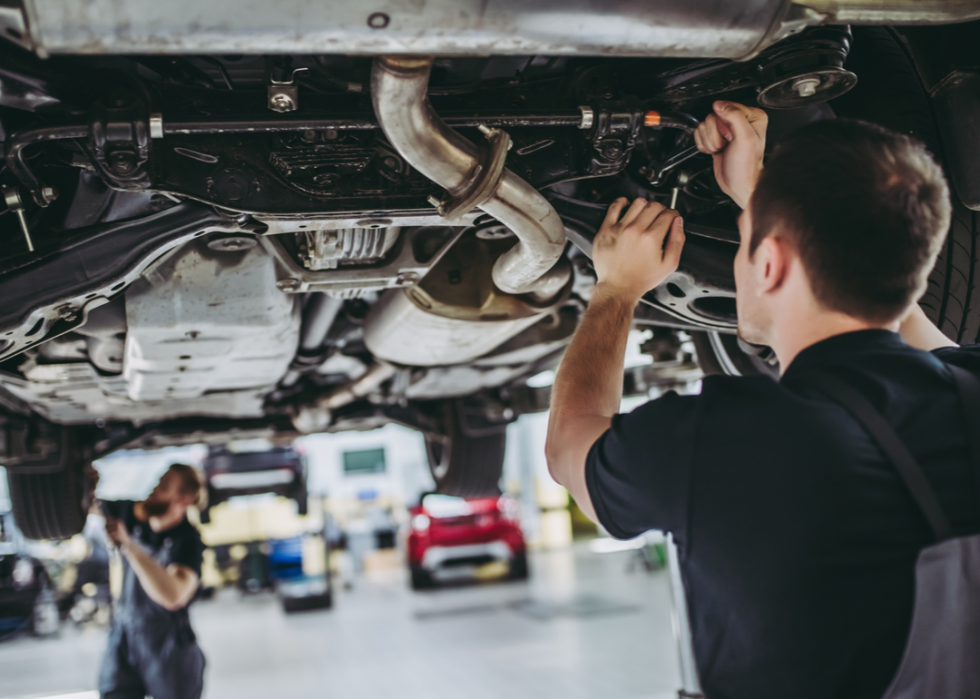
259	241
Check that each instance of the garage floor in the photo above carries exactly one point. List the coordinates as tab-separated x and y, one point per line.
583	627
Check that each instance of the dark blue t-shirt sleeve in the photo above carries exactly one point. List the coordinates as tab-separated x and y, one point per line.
188	549
639	471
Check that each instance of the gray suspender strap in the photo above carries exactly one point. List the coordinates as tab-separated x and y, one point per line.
906	465
968	386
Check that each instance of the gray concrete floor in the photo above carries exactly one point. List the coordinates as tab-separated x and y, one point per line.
582	628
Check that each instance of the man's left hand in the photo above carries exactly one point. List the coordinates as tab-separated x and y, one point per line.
630	253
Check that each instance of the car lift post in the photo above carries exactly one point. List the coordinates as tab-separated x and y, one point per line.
690	684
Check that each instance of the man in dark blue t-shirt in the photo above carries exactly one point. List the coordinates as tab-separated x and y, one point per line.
152	648
798	539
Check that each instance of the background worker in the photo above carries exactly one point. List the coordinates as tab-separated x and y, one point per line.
798	536
152	649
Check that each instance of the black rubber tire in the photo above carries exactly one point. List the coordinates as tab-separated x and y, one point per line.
50	505
518	568
465	465
719	353
421	579
890	93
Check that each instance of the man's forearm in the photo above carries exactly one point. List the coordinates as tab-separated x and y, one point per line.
159	584
590	379
588	389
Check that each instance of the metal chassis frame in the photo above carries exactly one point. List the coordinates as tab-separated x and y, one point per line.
125	251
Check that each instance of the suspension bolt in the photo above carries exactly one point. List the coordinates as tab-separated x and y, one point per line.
806	87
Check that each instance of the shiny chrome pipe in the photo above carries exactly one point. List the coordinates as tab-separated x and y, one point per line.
398	87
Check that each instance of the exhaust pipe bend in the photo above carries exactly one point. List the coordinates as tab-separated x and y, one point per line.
399	86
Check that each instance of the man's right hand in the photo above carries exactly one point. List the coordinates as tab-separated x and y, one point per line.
116	532
735	135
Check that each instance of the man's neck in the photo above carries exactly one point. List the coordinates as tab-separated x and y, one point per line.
802	331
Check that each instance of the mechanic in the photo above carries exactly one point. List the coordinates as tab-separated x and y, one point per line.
799	513
152	648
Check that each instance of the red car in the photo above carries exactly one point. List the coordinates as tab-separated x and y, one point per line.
450	536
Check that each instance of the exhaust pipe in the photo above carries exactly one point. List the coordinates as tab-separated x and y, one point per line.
317	416
399	86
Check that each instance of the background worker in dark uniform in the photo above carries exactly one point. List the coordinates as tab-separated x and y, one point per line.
152	648
801	523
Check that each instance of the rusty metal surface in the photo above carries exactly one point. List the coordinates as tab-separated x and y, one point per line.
693	28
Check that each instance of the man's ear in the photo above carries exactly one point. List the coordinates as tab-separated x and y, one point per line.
772	260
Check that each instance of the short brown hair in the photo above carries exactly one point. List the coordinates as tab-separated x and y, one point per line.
866	208
190	481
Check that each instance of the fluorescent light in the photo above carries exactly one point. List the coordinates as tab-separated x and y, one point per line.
73	695
253	479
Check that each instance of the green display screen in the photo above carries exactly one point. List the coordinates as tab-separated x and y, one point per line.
365	461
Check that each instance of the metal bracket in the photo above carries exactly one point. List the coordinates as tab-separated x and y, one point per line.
613	135
284	95
119	139
487	179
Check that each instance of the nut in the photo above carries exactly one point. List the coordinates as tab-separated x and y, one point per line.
806	87
288	285
281	103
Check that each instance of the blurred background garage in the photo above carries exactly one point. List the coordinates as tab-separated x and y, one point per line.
332	569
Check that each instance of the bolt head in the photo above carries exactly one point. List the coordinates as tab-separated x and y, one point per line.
611	149
288	285
281	103
49	193
122	162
